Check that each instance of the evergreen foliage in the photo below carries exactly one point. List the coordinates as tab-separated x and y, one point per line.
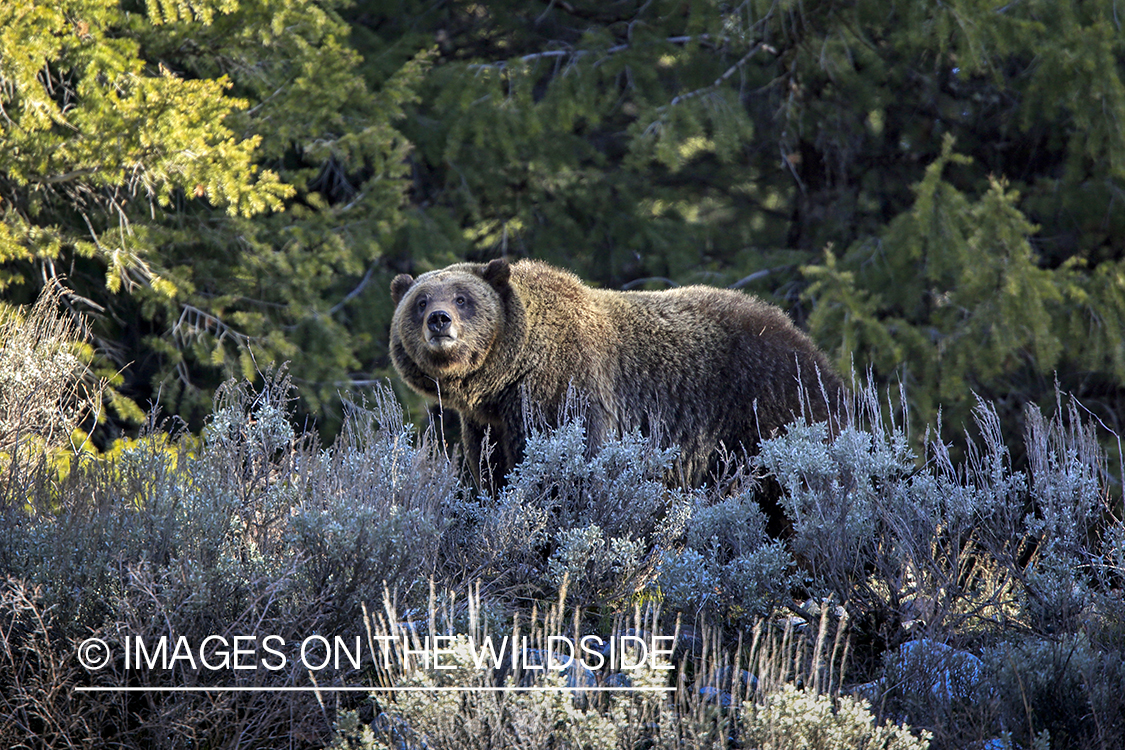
960	162
137	147
935	188
951	300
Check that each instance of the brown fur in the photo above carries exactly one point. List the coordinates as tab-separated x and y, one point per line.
699	366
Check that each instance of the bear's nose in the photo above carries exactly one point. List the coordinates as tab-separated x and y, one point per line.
438	321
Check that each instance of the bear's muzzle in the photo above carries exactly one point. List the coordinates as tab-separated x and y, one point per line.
441	332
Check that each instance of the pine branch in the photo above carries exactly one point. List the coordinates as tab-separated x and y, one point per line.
758	275
354	292
609	51
197	322
64	177
721	79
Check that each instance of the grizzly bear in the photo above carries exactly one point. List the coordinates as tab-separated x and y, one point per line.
704	369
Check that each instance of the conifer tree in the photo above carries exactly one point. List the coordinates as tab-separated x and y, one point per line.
938	184
212	180
934	188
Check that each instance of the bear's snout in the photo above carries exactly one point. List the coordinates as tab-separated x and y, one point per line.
440	328
439	321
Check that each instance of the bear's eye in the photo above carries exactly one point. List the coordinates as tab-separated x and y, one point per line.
460	301
421	304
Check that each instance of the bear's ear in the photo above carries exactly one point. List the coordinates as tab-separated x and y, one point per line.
400	286
497	272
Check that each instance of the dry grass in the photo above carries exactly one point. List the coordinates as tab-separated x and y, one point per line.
45	385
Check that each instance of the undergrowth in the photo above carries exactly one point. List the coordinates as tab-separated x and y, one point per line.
919	599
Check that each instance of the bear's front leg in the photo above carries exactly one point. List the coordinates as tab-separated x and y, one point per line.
480	454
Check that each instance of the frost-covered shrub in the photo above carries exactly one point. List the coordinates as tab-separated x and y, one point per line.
841	495
370	509
685	581
594	518
942	545
871	529
585	558
727	567
1068	480
620	488
790	719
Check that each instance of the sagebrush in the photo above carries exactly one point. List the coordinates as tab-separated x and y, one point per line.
974	599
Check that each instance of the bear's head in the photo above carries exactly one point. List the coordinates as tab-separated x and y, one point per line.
448	320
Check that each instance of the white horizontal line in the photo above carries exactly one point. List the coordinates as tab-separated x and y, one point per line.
348	689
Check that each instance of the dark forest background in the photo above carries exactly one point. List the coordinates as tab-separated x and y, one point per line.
936	191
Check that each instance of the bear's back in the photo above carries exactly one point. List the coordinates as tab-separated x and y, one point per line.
709	367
